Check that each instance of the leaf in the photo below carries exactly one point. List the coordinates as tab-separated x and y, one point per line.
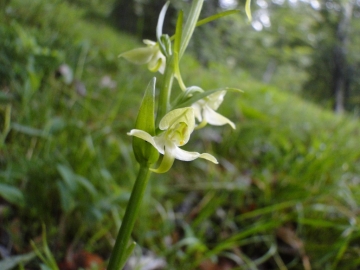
159	27
190	24
12	194
86	184
68	176
139	56
161	19
127	254
248	9
10	262
216	16
178	34
28	130
45	255
66	200
200	95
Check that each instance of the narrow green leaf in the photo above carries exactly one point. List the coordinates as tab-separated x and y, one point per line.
213	18
29	130
178	32
233	241
161	19
190	24
87	185
248	9
159	26
68	176
127	254
10	262
267	210
177	42
217	16
200	95
12	194
50	260
67	201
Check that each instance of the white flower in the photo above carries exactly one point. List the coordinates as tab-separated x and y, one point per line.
205	110
151	55
177	125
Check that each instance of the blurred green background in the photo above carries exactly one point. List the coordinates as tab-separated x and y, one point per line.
286	192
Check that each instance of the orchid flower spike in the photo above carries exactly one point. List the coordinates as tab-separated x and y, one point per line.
205	110
177	125
151	55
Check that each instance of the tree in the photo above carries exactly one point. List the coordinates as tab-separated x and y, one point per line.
341	74
140	17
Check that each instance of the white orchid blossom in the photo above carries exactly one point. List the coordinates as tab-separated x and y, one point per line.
177	125
205	110
151	55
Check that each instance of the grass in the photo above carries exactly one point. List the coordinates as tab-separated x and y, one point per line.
285	194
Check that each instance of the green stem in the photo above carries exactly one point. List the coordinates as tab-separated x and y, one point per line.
118	255
164	97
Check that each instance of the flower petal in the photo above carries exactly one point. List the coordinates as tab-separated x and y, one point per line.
215	100
143	135
160	142
197	111
139	56
209	157
168	159
185	155
189	156
216	119
149	42
172	118
157	63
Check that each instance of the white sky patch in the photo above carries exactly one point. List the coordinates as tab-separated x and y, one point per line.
278	2
315	4
262	3
265	20
228	4
257	25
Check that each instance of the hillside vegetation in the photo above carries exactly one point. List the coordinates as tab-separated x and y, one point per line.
285	195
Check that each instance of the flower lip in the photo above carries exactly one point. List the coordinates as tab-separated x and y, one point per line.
177	126
178	133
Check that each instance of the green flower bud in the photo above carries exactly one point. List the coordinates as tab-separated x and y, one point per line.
144	152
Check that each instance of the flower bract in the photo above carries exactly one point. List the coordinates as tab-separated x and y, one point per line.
151	55
205	110
177	126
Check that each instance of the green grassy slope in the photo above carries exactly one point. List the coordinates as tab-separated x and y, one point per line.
284	195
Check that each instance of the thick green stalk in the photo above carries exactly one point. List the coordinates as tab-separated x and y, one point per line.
165	91
118	255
